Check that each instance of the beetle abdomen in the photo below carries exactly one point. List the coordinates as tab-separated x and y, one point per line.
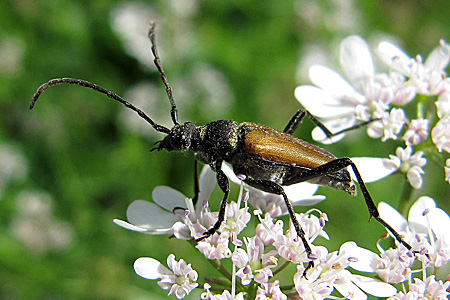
277	146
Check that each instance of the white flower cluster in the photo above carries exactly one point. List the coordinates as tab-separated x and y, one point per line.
366	95
258	258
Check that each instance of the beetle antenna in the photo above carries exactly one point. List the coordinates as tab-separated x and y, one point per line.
157	61
97	88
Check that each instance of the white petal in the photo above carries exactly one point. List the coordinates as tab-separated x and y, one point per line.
356	59
371	168
207	183
415	216
365	257
302	194
150	268
168	198
230	174
347	288
129	226
309	201
149	216
393	56
438	219
440	223
373	286
438	58
330	81
320	103
396	220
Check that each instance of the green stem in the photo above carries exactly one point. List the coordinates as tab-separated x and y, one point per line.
281	268
251	291
216	264
405	200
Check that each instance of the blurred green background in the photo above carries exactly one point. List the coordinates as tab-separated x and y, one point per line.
75	162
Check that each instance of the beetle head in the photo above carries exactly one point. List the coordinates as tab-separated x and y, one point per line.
184	136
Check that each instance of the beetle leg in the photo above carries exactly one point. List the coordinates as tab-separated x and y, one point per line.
341	163
294	121
301	113
275	188
196	184
224	185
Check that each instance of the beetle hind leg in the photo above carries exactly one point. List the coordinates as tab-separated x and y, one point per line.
341	163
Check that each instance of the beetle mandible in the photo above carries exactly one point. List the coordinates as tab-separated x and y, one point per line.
268	158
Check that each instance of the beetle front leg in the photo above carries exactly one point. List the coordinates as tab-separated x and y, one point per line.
196	184
224	185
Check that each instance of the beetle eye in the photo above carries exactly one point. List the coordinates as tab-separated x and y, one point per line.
179	141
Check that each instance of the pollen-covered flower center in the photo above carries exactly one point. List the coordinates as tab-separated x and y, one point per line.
180	280
231	224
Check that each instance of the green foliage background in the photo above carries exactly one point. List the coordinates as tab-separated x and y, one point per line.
78	151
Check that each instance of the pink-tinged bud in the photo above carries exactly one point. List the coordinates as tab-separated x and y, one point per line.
246	196
241	177
352	259
312	256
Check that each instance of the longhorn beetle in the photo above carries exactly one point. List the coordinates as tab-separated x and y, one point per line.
268	158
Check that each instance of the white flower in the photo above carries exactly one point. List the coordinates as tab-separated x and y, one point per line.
35	226
394	265
270	291
443	103
428	289
339	103
169	208
426	230
269	229
180	278
333	99
427	78
151	218
313	287
355	286
13	165
418	131
215	246
441	134
408	163
388	126
254	264
226	295
290	246
236	218
330	272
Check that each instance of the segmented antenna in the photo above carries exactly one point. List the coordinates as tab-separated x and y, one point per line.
157	61
84	83
97	88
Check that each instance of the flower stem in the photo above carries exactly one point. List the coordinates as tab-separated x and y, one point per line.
405	200
281	268
251	291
